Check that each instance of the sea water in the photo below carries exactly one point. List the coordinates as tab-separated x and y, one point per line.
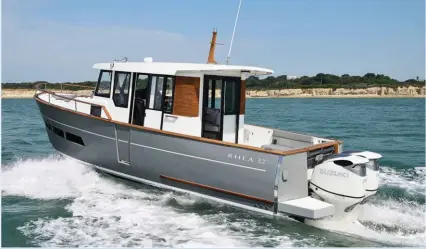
48	200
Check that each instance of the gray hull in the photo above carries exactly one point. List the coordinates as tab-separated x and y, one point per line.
232	174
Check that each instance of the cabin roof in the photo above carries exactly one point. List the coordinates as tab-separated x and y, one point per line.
171	68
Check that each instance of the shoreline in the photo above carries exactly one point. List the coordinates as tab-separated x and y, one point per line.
375	92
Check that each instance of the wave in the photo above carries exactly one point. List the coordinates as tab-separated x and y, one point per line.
107	212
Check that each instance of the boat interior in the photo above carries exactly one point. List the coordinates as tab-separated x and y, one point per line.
196	100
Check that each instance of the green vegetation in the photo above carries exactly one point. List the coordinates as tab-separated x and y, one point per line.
86	85
330	81
281	82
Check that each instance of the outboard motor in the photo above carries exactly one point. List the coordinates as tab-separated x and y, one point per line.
339	180
372	183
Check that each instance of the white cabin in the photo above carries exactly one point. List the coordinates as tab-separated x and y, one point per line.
177	97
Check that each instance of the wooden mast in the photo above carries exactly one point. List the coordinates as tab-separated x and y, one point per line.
211	59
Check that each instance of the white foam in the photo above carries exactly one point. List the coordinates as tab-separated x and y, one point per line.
412	179
47	178
387	221
107	213
400	215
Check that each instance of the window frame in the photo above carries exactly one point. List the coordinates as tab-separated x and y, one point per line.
126	105
163	94
165	76
134	81
237	95
165	91
99	82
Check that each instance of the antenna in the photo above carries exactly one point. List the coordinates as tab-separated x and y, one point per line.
233	33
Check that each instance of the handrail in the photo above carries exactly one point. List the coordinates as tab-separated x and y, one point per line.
66	84
37	87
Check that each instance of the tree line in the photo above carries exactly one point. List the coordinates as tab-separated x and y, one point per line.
320	80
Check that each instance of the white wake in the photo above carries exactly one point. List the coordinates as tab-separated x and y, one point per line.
391	221
107	213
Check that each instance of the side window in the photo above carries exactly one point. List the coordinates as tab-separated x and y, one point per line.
103	88
158	102
215	85
161	89
121	89
168	99
231	96
153	87
141	88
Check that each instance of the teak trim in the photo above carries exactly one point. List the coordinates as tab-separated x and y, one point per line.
217	189
212	141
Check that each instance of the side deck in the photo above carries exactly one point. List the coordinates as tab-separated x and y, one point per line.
256	138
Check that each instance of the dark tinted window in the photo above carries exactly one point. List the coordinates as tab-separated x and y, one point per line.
74	138
95	110
232	91
121	89
142	87
158	95
58	131
103	88
168	98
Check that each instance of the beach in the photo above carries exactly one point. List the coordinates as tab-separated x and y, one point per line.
372	92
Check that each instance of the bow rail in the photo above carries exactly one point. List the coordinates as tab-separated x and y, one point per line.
41	90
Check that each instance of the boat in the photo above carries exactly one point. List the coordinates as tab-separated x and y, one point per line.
181	126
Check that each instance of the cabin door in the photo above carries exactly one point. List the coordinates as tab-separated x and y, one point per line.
153	96
154	112
231	108
212	108
221	99
140	97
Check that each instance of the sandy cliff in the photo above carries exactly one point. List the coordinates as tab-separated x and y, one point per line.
27	93
409	91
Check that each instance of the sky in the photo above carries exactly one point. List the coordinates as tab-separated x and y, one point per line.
60	40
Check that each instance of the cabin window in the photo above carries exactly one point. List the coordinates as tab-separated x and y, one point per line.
95	110
153	87
58	131
158	101
161	93
121	89
142	87
103	88
168	98
74	138
141	99
232	92
213	101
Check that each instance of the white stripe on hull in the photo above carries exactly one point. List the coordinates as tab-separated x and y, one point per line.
158	149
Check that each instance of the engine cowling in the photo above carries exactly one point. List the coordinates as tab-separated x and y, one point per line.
340	181
372	167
